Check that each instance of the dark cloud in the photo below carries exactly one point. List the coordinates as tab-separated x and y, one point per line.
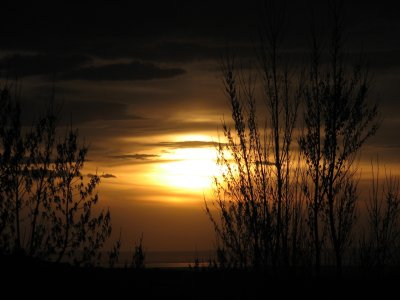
72	67
77	111
135	156
86	111
152	126
108	176
177	31
161	51
131	71
90	175
155	50
30	65
171	31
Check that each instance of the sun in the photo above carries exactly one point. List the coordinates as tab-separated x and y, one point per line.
187	169
191	168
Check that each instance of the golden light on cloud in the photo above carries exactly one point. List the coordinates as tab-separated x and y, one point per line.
176	169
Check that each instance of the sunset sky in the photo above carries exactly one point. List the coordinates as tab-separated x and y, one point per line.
142	84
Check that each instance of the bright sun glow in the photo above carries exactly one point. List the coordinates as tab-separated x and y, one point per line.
187	169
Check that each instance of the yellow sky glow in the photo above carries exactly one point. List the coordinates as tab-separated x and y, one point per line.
176	174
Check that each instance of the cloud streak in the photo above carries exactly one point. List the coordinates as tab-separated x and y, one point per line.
107	175
134	70
187	144
74	67
135	156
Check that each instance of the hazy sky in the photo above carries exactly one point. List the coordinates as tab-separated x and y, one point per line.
142	83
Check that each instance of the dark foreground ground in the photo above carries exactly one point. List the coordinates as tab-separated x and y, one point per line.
38	280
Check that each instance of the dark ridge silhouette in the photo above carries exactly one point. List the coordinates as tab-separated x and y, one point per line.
47	279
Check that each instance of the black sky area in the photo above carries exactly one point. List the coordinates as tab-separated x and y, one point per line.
145	52
67	35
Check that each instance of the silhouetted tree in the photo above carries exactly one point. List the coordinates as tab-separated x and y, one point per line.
11	180
113	254
257	198
242	192
46	204
139	256
338	121
282	101
380	243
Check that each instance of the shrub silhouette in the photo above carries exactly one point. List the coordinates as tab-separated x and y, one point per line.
338	121
46	204
258	202
260	218
138	256
380	243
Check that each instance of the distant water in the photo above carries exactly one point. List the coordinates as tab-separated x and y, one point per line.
168	259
